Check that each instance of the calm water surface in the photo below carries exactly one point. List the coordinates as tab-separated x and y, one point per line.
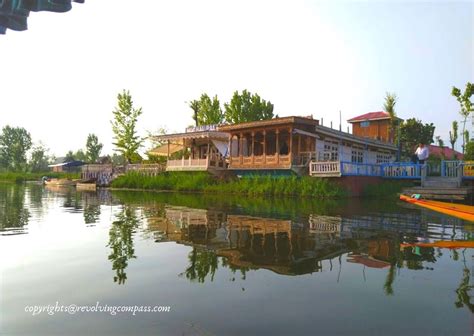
229	266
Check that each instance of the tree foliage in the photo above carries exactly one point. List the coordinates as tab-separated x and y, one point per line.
124	123
453	134
93	148
39	158
194	105
389	106
469	155
209	111
413	132
14	144
247	107
464	100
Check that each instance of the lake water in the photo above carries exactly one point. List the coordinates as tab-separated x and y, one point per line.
227	265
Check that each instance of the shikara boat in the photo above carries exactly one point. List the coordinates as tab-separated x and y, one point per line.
443	244
59	182
462	211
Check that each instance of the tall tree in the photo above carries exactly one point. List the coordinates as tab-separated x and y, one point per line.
70	156
39	158
93	148
194	105
210	111
389	106
412	132
14	143
127	141
465	137
464	100
247	107
453	135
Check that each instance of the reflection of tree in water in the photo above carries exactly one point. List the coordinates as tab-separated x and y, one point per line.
121	242
13	213
91	213
412	258
204	262
73	200
464	288
234	269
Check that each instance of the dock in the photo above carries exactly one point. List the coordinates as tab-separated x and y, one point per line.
441	188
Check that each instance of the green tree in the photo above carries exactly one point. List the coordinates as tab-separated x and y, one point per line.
194	105
247	107
118	159
121	242
412	132
389	106
440	143
469	153
93	148
453	134
209	111
14	143
466	136
79	155
70	156
127	141
39	158
464	100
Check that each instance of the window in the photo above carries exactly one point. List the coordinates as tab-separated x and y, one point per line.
365	124
331	151
357	155
383	157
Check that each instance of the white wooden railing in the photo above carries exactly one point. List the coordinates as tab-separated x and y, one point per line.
325	168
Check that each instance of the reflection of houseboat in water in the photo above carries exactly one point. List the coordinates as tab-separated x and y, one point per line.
287	246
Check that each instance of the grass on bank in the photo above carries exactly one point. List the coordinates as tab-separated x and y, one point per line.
252	185
20	177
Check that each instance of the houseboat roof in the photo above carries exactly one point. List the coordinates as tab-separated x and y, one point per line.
163	150
192	135
379	115
353	138
270	122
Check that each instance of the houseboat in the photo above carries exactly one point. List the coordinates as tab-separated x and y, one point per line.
282	146
202	148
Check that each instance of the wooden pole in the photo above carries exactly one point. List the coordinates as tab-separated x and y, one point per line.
264	146
241	144
253	147
291	144
277	145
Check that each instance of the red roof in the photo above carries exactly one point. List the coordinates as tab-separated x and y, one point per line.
448	152
380	115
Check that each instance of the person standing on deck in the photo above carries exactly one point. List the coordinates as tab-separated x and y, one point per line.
422	153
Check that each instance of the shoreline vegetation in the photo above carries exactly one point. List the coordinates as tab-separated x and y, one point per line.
202	182
252	185
20	177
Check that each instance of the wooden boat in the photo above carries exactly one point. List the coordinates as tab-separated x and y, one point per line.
462	211
86	186
60	182
443	244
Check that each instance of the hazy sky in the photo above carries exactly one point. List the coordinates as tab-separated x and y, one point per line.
60	78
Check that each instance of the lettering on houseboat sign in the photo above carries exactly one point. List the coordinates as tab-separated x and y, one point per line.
202	128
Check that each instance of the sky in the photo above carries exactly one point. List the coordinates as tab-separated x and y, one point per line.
60	78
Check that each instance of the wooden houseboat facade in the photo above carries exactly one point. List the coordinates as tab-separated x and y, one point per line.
287	145
201	149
